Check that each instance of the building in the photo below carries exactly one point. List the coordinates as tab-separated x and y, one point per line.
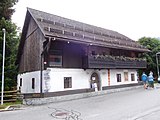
63	56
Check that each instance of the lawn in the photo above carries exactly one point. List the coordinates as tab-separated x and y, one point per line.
5	105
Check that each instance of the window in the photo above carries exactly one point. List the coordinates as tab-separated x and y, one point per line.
104	53
20	82
93	53
33	83
132	77
125	76
55	58
67	82
118	77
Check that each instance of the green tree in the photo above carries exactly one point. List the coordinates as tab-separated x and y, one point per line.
153	45
12	40
10	53
6	8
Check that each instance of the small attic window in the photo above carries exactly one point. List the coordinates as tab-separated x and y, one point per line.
59	24
112	36
46	28
118	37
78	35
97	39
78	28
88	37
105	35
68	33
48	21
40	19
89	30
56	31
69	26
97	33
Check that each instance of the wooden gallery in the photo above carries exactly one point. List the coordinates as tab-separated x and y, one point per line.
63	56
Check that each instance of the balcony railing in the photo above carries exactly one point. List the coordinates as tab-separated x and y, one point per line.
113	62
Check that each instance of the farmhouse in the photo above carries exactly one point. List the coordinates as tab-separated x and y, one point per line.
63	56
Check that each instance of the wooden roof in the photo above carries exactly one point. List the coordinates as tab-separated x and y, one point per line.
71	30
52	25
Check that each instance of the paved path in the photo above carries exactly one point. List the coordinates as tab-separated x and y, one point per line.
137	104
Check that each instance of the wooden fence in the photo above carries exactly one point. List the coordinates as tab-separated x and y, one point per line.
10	96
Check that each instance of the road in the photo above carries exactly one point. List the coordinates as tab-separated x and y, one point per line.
137	104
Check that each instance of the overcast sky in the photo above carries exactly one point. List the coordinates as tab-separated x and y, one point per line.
133	18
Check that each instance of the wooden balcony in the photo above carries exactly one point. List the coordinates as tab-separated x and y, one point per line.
113	62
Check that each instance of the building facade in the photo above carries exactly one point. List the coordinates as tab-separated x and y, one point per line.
65	56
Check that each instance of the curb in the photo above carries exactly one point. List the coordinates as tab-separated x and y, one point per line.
41	101
11	108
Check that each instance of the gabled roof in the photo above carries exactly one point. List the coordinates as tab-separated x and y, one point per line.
52	25
71	30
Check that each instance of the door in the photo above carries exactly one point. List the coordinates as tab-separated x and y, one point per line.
95	80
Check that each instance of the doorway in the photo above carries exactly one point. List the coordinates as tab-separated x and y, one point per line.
95	79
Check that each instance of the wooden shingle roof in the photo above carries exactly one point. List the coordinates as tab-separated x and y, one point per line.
52	25
70	30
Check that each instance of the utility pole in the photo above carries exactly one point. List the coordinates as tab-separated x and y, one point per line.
4	40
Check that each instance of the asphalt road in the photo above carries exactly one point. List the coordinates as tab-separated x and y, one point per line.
137	104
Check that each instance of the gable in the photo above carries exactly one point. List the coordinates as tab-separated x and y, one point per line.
30	47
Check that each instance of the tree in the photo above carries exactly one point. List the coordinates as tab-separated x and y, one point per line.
12	40
6	8
153	45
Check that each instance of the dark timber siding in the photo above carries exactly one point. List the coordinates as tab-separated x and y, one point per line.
72	57
71	53
30	59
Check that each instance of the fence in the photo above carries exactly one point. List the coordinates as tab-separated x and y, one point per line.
10	96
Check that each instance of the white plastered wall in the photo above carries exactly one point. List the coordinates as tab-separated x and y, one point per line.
27	82
80	79
114	72
53	79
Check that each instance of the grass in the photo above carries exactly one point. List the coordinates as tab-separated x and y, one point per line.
9	104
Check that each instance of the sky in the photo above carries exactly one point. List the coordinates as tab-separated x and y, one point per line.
132	18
